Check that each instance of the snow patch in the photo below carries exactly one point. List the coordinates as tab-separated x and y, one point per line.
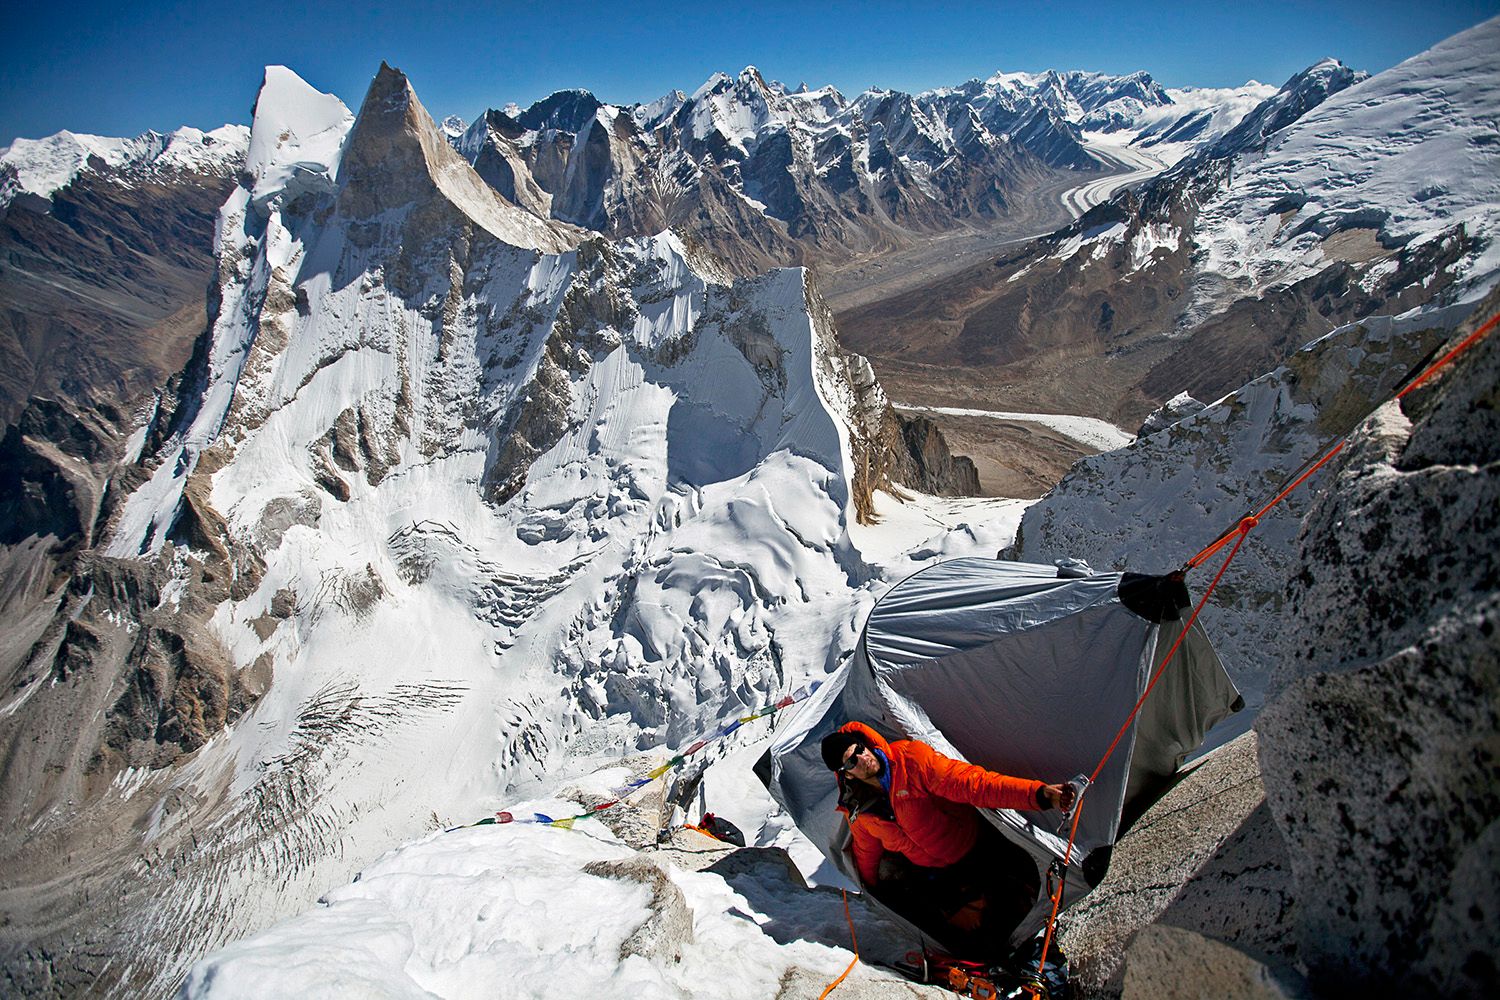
1090	431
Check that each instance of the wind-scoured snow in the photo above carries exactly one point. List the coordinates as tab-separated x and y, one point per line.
510	911
294	124
1406	155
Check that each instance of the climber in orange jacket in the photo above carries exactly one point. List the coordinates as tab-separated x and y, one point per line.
905	798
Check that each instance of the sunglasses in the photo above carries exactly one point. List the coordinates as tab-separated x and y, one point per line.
851	761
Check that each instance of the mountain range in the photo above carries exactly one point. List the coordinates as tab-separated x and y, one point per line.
494	453
746	170
1299	218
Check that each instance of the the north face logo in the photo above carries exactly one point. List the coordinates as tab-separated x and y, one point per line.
902	793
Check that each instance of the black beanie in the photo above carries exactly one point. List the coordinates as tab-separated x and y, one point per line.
834	745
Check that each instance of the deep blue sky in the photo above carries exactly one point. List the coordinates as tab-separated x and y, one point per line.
121	68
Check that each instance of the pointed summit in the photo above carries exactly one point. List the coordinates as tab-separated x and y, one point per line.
752	75
396	157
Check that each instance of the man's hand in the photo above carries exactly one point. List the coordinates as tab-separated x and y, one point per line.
1059	796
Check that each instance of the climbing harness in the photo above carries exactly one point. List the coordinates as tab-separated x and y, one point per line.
1002	981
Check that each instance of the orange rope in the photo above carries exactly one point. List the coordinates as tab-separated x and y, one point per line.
1430	371
852	962
1464	345
1238	534
1244	530
1206	554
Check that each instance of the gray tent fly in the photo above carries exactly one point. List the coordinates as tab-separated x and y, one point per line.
1028	670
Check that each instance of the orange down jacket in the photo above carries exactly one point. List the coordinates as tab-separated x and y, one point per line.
932	798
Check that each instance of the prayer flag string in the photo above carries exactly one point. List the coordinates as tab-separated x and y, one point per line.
620	792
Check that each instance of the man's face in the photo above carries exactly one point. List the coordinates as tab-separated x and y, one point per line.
860	762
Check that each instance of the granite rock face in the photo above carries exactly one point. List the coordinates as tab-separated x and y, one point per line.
1204	863
1349	842
1170	963
1381	748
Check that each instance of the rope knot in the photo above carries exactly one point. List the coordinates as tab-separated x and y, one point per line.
1248	523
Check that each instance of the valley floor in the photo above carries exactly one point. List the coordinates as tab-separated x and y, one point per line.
1044	209
1017	455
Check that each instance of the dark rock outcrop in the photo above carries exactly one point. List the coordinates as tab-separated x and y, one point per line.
54	463
932	468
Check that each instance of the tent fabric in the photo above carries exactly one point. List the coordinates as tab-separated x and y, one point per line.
1024	671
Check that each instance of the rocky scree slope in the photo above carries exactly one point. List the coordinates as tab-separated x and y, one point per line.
441	474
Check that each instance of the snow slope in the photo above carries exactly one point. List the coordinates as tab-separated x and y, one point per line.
510	911
1195	118
1406	155
496	513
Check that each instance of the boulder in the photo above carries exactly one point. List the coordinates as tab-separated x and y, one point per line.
670	925
1204	860
1179	407
1172	963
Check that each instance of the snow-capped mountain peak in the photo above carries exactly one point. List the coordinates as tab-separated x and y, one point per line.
1301	93
651	115
296	139
41	167
1396	160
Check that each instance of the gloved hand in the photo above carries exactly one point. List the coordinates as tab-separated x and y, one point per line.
1058	796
